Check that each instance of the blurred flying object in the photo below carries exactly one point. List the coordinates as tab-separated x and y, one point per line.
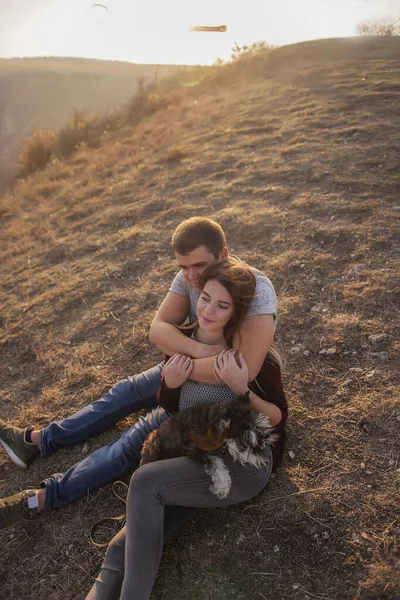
100	13
217	28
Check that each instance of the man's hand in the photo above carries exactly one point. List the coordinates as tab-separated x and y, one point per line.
232	369
177	370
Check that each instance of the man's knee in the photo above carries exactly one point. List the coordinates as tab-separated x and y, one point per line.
153	419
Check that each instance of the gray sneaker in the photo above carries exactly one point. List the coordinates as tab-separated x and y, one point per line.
15	508
13	441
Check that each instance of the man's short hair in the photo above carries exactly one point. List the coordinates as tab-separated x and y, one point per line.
198	231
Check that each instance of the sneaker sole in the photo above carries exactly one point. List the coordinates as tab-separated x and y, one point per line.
13	456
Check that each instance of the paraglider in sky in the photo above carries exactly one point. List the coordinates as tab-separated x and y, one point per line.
216	28
100	12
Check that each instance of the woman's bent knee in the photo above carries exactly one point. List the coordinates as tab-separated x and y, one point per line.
145	478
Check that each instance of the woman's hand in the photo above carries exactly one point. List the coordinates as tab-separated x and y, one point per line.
177	370
232	369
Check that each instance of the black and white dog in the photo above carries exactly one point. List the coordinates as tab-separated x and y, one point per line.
208	431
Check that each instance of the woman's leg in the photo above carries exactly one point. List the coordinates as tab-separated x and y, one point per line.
109	581
127	396
178	481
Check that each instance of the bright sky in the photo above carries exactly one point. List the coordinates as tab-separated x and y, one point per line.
157	31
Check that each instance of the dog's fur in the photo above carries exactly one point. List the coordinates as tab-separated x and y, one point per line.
229	426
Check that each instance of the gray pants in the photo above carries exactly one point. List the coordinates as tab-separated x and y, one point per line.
156	493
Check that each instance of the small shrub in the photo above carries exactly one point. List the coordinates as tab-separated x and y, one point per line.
246	52
93	130
145	102
79	130
70	136
219	62
36	152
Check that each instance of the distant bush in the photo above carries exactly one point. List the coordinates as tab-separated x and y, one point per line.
80	130
388	26
36	152
145	102
245	52
41	146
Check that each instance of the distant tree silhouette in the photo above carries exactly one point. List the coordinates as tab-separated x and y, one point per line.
387	26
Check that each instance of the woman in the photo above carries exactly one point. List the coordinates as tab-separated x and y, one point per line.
158	488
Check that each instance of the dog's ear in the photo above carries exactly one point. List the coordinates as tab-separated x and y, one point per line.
240	404
244	398
240	414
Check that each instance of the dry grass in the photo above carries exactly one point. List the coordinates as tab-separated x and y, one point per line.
35	153
297	158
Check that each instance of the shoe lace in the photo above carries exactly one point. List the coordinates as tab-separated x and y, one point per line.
12	435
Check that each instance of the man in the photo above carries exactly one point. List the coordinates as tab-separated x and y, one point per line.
197	243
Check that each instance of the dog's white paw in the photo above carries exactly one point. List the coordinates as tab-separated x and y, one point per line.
221	494
221	479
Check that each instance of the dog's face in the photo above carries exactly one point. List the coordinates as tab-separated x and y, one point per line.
229	420
249	433
243	422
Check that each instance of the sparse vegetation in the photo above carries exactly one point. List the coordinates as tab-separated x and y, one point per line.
82	129
247	52
88	130
41	93
388	26
144	103
36	152
297	158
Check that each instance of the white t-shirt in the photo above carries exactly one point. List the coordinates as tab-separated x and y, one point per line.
264	301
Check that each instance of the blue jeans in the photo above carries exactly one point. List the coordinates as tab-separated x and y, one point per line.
114	460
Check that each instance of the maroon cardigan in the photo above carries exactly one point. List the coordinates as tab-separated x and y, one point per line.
269	388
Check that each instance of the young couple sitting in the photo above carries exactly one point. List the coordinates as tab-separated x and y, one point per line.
234	307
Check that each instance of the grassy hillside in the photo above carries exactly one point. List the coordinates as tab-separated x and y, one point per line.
296	155
43	92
